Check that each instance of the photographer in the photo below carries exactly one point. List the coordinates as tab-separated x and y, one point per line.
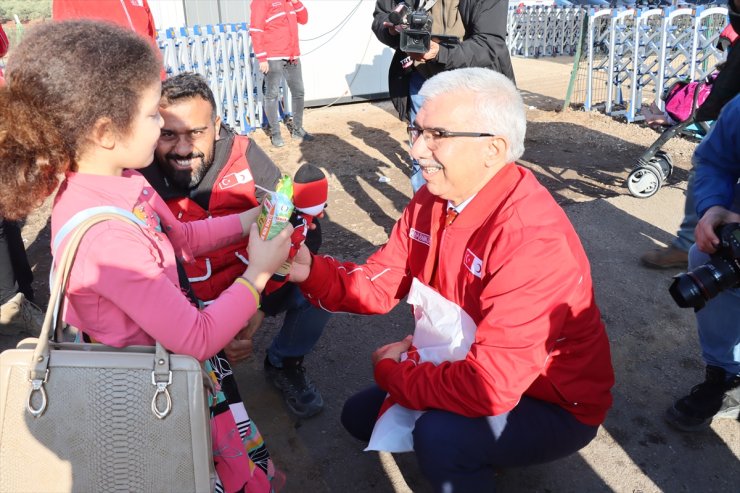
717	198
480	26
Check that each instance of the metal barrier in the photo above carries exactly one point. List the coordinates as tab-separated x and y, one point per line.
544	31
223	55
631	53
624	54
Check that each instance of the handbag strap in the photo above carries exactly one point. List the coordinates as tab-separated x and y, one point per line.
39	368
84	214
63	232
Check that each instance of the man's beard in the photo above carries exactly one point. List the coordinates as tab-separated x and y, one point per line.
187	178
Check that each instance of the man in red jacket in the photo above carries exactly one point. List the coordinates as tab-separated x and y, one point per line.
530	378
274	31
202	169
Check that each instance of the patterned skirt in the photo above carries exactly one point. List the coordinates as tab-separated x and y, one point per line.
241	458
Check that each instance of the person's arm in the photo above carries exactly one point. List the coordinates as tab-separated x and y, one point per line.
717	161
380	23
717	170
525	305
210	234
143	292
485	36
257	15
301	14
374	287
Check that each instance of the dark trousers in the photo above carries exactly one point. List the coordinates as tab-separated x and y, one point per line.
291	70
15	273
459	454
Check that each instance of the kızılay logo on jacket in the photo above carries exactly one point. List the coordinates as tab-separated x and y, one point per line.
235	179
419	236
473	264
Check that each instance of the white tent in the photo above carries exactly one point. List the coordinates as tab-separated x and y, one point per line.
342	60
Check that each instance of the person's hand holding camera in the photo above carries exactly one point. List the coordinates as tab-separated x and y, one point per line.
706	237
429	55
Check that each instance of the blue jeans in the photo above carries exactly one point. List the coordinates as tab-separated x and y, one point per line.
302	327
291	71
459	454
685	234
415	102
718	323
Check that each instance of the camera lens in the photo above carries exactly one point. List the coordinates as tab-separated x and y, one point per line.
695	288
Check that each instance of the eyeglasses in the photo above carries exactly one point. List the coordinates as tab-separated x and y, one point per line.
434	134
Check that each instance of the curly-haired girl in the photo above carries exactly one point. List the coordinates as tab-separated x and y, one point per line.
81	104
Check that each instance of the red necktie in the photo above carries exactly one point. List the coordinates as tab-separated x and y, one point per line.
451	215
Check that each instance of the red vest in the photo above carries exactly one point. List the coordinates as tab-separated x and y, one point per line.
234	192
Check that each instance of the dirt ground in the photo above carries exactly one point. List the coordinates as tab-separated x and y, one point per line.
583	158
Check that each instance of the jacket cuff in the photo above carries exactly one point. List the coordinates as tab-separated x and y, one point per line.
383	372
316	279
443	55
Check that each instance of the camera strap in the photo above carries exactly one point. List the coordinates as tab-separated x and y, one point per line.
425	4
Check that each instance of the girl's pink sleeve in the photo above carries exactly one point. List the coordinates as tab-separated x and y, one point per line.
124	268
212	233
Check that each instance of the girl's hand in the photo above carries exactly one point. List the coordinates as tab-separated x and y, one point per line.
266	256
249	217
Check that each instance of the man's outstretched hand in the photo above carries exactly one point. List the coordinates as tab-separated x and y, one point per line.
301	266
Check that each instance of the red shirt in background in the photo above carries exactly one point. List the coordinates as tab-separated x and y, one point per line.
134	14
3	51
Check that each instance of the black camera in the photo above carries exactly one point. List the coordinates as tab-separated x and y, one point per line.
416	28
417	37
722	271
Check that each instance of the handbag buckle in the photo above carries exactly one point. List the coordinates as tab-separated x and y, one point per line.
37	385
162	389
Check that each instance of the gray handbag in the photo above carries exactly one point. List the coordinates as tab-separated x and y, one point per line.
87	417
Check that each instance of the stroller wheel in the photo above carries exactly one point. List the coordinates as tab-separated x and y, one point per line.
643	182
663	162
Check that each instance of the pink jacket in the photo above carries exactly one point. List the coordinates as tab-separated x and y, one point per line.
123	288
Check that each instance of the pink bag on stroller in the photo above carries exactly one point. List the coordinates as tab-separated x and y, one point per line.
679	97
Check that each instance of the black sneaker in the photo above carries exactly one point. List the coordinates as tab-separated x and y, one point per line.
301	395
716	397
301	134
